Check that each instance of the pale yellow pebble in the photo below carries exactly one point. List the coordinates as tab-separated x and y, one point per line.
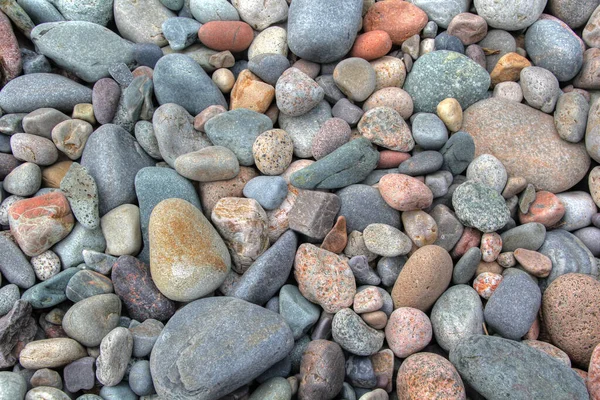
84	111
450	111
224	79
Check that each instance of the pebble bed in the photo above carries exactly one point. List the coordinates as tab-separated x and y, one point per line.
299	199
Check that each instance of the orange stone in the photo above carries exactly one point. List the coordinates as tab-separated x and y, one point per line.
533	262
547	209
372	45
251	93
337	238
234	36
54	174
391	159
398	18
509	68
405	193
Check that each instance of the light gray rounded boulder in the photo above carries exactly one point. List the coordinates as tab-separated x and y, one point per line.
510	15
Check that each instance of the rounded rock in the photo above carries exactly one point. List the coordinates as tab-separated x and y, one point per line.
408	331
510	15
427	375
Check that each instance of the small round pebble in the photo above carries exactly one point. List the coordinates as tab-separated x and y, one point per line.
486	283
491	245
429	131
408	331
273	151
224	79
46	265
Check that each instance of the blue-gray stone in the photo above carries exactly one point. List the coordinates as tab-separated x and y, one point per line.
90	397
304	128
34	63
422	163
277	388
568	255
81	47
465	268
442	11
98	261
86	283
14	266
299	313
429	131
499	368
360	373
121	73
144	134
173	5
513	307
70	249
348	164
135	103
27	93
213	10
458	152
555	48
113	158
237	130
50	292
445	41
280	369
97	11
306	37
333	94
122	391
273	304
238	67
140	379
217	333
181	32
268	67
147	54
12	386
144	336
502	42
153	185
363	205
389	268
269	191
41	11
9	295
269	272
528	236
441	74
80	374
5	144
296	354
479	206
363	273
179	79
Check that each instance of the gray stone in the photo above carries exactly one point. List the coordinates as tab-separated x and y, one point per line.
465	268
313	213
348	111
269	67
9	295
528	236
24	180
296	93
555	48
430	31
478	206
80	374
237	130
147	54
145	336
354	335
115	353
80	189
181	32
458	152
439	183
34	63
510	15
590	237
488	170
306	36
153	185
304	128
113	158
97	11
81	47
389	268
12	386
17	328
276	388
174	5
12	123
500	368
513	306
213	10
299	313
105	100
429	131
573	14
175	133
363	273
135	103
442	11
50	292
86	283
14	266
422	163
456	315
89	320
375	176
197	335
434	77
120	392
349	164
540	88
568	255
360	373
41	11
445	41
41	122
69	250
140	378
363	205
386	241
121	73
501	42
30	92
269	272
141	21
570	116
144	134
179	79
332	93
579	208
260	14
449	227
98	261
269	191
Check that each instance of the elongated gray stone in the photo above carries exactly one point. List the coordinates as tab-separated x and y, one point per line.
50	292
14	266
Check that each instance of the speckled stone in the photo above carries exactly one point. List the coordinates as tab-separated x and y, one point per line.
408	331
24	180
312	270
41	121
429	131
32	148
313	213
50	353
425	375
549	349
570	116
70	137
449	228
273	151
540	88
354	335
385	240
333	134
458	152
385	127
321	370
296	93
479	206
82	193
9	295
13	385
510	16
488	170
486	282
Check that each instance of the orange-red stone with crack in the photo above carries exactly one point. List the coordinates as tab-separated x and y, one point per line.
234	36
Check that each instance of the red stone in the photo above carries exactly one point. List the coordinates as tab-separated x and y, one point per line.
470	238
391	159
547	209
337	238
234	36
398	18
372	45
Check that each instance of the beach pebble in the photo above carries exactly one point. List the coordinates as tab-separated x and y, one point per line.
385	240
425	374
540	88
355	78
408	331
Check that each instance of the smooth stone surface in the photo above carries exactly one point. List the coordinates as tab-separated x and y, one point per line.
140	378
299	313
105	100
213	10
488	170
465	268
9	295
570	116
89	320
12	386
86	283
268	191
50	353
82	193
304	128
96	11
202	336
529	236
579	209
313	213
434	78
181	32
511	15
141	21
442	11
51	291
14	266
70	248
540	88
296	93
363	205
24	180
115	353
213	163
321	370
429	131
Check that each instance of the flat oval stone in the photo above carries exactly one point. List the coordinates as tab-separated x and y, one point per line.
500	367
579	208
115	354
179	79
434	78
33	148
307	40
408	331
399	19
404	193
234	36
512	15
51	291
213	163
321	370
529	236
29	92
41	121
184	243
203	337
86	283
14	266
363	205
84	48
89	320
385	240
141	21
50	353
354	335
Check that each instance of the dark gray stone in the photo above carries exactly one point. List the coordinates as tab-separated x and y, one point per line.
348	111
445	41
354	335
458	152
269	191
82	47
435	76
363	205
568	255
280	369
135	103
113	158
306	36
17	328
147	54
449	227
513	307
332	93
202	333
296	354
360	373
555	48
237	130
179	79
86	283
313	213
479	206
80	374
528	236
144	134
465	268
422	163
429	131
14	266
573	14
30	92
140	378
181	32
50	292
499	368
363	273
388	269
268	66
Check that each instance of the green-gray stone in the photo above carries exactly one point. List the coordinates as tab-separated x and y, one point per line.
51	292
274	389
86	284
499	368
349	164
12	386
441	74
84	48
479	206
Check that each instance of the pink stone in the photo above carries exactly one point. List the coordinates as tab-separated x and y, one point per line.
40	222
408	331
486	283
549	349
10	54
368	300
324	278
471	237
405	193
383	366
593	377
491	245
537	264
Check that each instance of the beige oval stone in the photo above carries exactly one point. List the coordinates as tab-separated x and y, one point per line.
272	40
389	72
525	140
71	136
122	231
594	184
224	79
188	258
450	112
51	353
393	97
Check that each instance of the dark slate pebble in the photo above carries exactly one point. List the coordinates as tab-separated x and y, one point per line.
465	268
458	152
147	54
121	73
87	283
14	266
445	41
136	289
268	66
422	163
8	162
360	373
363	205
363	273
50	292
528	236
332	93
347	111
34	63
